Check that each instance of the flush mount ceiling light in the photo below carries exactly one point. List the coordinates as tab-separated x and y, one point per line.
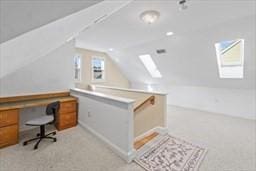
150	16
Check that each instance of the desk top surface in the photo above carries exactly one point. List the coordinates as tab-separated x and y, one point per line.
33	102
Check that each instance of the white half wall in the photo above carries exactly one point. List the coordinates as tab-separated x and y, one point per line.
53	72
147	118
233	102
109	118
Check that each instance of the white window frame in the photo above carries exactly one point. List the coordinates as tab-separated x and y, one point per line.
77	80
104	71
233	71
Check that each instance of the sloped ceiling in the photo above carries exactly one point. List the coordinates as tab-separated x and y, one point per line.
190	58
33	45
20	16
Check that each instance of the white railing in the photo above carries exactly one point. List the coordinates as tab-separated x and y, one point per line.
152	117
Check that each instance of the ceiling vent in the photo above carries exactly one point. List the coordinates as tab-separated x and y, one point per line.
160	51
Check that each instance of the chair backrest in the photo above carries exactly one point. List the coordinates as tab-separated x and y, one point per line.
53	109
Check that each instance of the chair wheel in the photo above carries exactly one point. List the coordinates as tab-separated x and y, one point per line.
25	143
38	134
54	133
55	139
35	147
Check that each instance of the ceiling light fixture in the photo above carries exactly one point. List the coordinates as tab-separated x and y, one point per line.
169	33
149	16
110	49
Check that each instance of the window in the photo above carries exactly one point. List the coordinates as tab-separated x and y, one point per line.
150	66
230	58
77	63
98	69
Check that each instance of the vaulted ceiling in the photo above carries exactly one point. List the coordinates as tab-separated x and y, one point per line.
26	48
190	58
20	16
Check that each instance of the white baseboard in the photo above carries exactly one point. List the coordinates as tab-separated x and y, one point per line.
127	156
160	130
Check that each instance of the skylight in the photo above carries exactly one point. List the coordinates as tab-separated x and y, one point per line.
150	66
230	58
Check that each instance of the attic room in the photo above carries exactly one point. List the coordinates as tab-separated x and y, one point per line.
127	85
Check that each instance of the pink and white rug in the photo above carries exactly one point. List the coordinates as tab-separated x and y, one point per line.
167	153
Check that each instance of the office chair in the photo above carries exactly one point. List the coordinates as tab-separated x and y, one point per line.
51	111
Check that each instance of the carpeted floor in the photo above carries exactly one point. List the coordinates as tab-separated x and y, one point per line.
230	141
75	150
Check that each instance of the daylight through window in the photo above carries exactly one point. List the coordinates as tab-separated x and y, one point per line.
230	58
98	69
77	62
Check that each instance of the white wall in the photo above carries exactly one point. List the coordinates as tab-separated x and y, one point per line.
113	75
233	102
53	72
112	122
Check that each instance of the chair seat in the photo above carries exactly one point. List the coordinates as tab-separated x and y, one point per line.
40	121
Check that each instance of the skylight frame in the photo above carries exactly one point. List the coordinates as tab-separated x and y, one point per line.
236	63
150	65
233	70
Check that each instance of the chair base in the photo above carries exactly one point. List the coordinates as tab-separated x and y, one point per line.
41	136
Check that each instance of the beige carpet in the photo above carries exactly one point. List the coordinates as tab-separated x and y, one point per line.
230	142
75	150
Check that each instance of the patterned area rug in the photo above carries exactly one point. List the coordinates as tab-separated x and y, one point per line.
167	153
